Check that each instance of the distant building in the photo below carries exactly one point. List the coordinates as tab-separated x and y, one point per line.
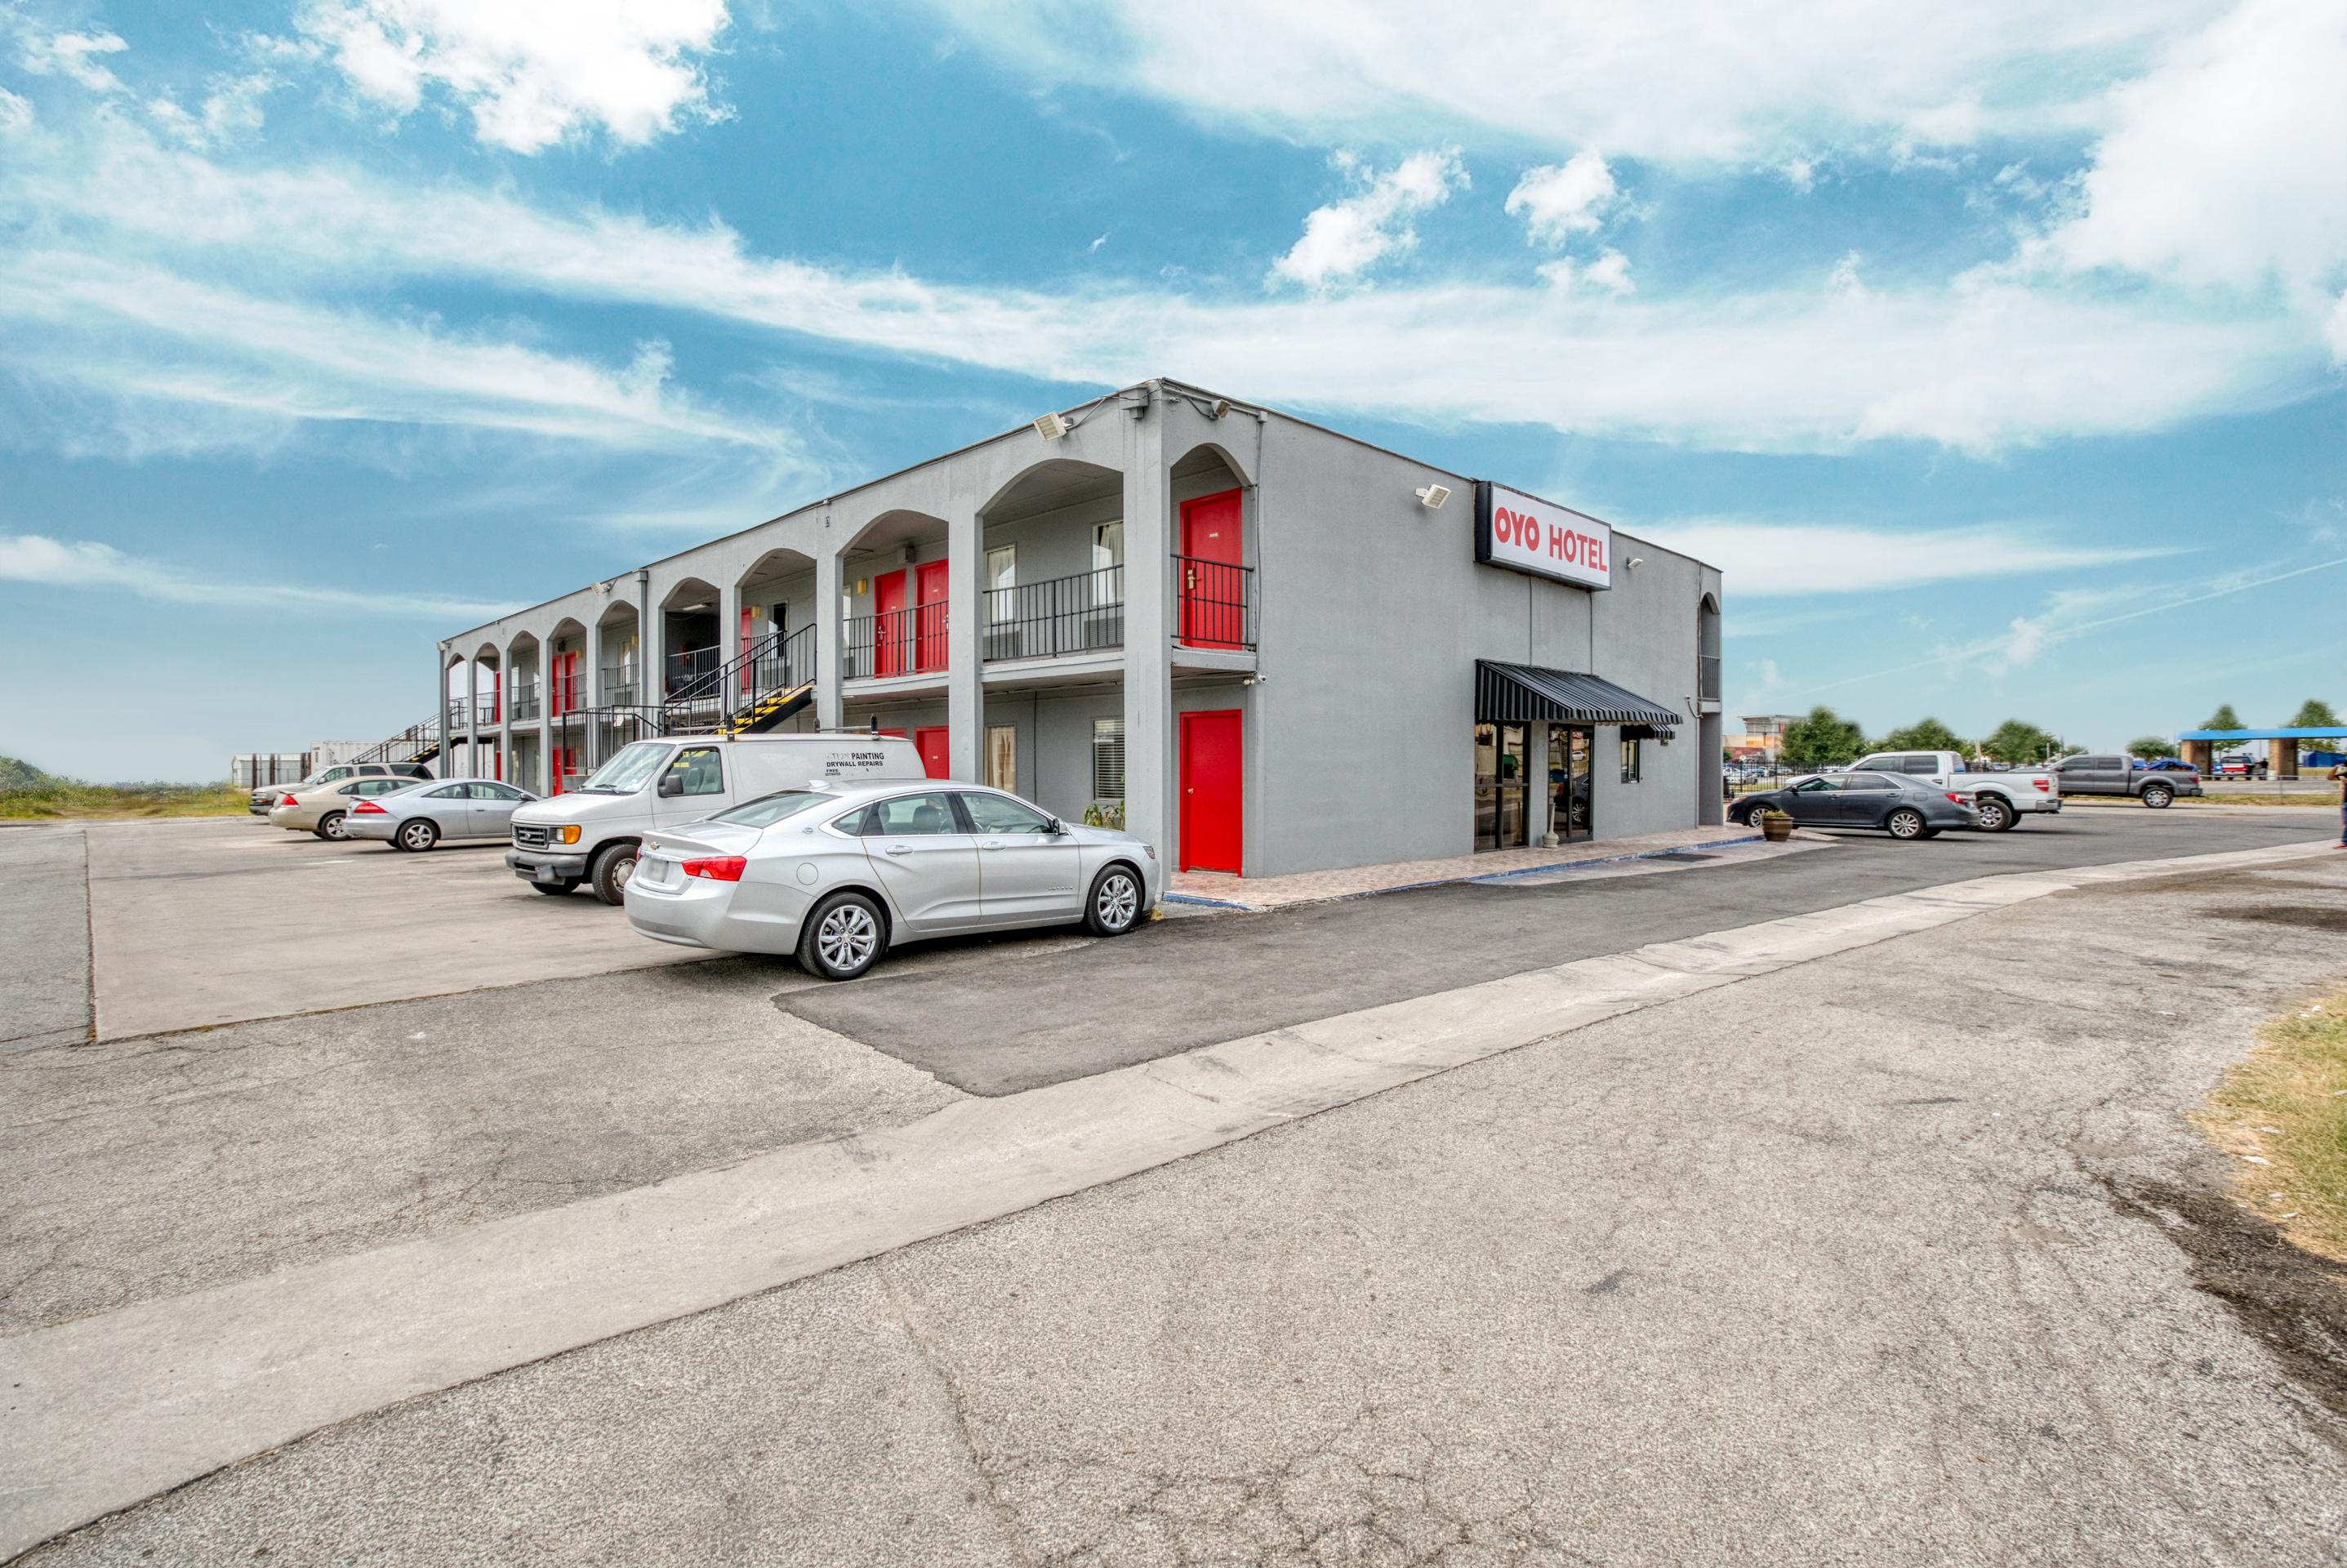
1763	736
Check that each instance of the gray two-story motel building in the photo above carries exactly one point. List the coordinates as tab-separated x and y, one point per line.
1262	645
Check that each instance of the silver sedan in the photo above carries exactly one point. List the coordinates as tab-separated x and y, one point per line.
416	819
838	875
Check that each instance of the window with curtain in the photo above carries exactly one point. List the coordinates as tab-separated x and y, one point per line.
1632	761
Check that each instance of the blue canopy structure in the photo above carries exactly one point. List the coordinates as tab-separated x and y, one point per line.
2319	733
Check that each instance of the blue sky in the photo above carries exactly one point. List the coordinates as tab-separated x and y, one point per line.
1997	355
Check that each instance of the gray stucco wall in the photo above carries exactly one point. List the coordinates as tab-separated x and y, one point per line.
1375	611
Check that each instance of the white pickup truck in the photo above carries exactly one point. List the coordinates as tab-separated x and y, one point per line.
1998	799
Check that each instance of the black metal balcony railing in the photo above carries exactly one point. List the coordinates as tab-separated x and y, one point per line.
457	724
895	642
688	672
525	702
1217	602
781	663
1062	615
1707	677
617	682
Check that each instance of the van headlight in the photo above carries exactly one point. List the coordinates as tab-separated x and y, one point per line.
569	834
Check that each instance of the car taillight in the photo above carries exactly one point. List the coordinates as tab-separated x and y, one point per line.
2043	783
368	808
1960	800
287	801
717	867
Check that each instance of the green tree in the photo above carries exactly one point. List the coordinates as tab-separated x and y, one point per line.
2224	718
2018	741
1824	738
2149	747
1925	736
2314	713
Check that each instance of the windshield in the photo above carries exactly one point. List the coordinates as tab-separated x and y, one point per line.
632	768
769	809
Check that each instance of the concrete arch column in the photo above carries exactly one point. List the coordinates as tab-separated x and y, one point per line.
1151	804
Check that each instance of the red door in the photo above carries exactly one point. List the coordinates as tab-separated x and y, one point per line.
747	664
1213	831
934	746
929	592
1214	585
889	639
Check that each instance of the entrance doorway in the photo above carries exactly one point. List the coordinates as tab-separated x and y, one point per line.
1501	820
1213	575
929	579
891	642
1572	758
934	744
1212	830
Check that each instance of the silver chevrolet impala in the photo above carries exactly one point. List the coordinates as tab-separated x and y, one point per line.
416	819
837	876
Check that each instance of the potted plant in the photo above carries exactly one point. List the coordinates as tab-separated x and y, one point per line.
1776	826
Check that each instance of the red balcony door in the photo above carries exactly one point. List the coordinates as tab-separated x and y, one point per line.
888	641
929	593
745	650
1213	593
1213	836
934	744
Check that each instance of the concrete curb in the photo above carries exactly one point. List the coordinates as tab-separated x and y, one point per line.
1477	876
105	1411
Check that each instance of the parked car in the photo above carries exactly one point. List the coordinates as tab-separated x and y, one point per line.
592	834
421	816
324	809
837	875
264	799
2164	765
1999	800
1891	803
2106	773
2242	765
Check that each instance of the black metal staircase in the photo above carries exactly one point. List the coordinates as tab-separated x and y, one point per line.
768	682
419	742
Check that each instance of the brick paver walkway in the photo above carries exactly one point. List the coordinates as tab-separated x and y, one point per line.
1309	887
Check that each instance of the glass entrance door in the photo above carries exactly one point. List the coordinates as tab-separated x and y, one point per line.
1572	753
1499	815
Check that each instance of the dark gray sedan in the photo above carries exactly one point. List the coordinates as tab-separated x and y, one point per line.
416	819
1887	803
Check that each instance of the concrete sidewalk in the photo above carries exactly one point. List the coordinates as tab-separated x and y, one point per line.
1353	882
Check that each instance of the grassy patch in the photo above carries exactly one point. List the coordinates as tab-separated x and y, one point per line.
27	792
2283	1114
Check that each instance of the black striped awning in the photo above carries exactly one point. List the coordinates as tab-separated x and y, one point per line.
1527	694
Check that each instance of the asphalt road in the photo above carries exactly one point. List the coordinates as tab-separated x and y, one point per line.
1024	1021
45	993
1847	1264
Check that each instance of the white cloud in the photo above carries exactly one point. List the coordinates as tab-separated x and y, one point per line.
86	564
2335	330
1741	81
75	55
2222	164
1558	200
16	113
1981	364
1342	239
230	109
146	335
1768	561
532	71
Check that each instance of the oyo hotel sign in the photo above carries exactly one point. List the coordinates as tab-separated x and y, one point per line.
1524	533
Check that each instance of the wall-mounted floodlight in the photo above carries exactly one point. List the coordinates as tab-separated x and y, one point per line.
1433	495
1221	409
1050	427
1637	562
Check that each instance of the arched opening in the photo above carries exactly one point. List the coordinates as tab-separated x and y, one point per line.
1053	580
894	582
488	685
566	704
524	763
618	656
776	634
690	637
1707	643
1213	551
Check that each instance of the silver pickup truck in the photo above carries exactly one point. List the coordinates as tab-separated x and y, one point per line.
1999	800
2105	773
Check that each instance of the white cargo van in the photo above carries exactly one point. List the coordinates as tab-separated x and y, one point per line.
590	833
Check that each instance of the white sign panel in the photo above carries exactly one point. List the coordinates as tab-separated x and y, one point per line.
1525	534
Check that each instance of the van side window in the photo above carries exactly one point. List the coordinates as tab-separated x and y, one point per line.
703	773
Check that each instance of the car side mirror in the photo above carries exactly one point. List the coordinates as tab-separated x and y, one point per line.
1059	828
671	784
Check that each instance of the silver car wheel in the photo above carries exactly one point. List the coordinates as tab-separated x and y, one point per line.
1906	823
414	835
333	825
847	937
1117	901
